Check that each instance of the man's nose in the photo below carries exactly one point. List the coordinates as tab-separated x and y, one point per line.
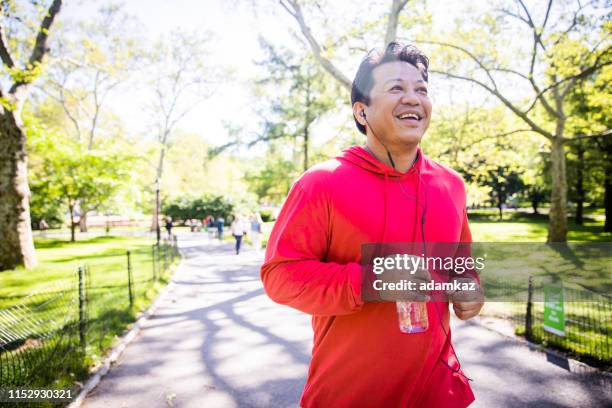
410	97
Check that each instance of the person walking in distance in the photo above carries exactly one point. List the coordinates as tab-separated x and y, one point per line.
238	231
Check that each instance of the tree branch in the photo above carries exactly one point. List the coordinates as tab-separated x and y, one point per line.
396	9
40	45
466	52
294	9
5	55
504	100
573	78
605	133
573	23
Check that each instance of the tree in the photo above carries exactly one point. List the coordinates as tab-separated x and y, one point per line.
272	182
504	182
562	53
181	79
17	245
494	160
80	178
186	208
89	62
301	96
294	8
590	160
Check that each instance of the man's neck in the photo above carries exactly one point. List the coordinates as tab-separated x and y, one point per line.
403	159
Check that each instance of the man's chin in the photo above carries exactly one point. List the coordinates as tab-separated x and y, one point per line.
411	138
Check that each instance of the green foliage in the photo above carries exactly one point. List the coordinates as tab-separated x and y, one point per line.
185	208
266	215
67	175
296	93
272	181
479	143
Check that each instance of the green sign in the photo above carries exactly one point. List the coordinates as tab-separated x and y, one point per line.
554	317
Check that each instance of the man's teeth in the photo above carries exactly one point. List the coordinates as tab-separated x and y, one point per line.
410	116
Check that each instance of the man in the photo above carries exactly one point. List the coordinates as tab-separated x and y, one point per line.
387	191
169	226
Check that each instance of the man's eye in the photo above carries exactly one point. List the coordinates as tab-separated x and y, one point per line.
396	88
422	90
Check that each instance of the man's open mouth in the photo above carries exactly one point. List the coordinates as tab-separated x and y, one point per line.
410	116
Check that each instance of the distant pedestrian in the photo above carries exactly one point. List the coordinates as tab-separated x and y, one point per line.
169	226
220	224
210	224
238	231
256	225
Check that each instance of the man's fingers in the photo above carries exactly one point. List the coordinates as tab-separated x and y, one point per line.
467	310
466	296
466	306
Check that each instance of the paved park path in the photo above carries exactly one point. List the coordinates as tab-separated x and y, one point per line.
217	341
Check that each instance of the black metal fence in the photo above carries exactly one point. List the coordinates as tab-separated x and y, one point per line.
587	328
49	339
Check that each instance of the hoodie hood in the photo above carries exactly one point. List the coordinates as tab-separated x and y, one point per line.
360	157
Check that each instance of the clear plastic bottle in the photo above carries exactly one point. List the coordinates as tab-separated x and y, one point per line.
412	316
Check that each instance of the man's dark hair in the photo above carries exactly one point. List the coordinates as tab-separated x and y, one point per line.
364	80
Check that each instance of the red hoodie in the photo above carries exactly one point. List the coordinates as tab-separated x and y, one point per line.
359	357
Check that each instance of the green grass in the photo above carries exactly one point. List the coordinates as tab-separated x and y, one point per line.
55	309
587	322
525	227
59	259
586	328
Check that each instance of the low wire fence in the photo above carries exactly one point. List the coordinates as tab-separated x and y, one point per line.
586	316
51	338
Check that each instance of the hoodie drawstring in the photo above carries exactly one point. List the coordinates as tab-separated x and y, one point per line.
386	210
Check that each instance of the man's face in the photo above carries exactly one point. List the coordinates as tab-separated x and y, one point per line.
400	108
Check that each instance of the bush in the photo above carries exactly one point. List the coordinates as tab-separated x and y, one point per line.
186	208
266	215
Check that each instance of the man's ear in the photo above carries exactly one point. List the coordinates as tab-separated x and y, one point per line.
358	108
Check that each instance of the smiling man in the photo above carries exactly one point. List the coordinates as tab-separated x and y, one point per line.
385	191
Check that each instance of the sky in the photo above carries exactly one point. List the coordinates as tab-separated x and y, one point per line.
235	25
233	28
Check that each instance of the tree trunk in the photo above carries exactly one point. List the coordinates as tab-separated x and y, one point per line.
579	185
608	203
557	224
73	224
500	203
83	221
156	205
16	244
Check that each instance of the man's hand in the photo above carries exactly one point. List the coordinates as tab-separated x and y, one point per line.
408	277
467	303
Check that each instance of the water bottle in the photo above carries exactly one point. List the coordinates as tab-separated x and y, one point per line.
412	316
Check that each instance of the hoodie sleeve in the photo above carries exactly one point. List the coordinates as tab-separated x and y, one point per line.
294	272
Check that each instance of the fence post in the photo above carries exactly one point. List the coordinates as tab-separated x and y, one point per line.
129	269
81	309
529	314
